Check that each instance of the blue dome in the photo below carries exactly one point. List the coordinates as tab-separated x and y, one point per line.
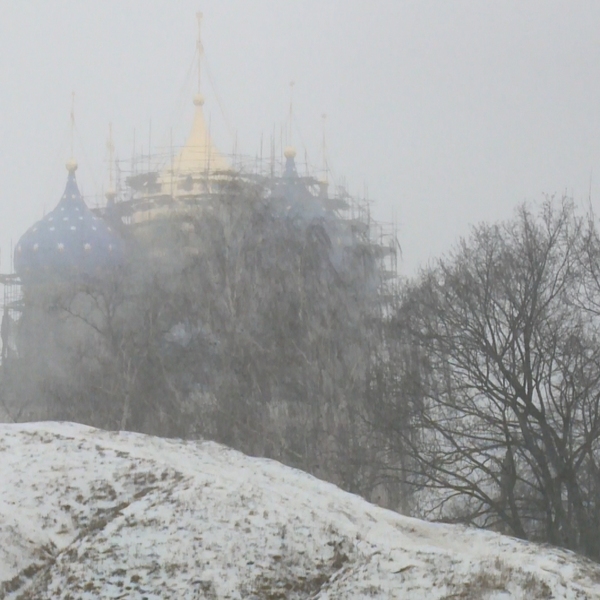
68	242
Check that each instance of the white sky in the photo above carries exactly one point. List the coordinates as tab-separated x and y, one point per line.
452	112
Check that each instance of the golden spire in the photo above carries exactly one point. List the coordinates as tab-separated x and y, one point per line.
199	98
324	181
290	150
199	153
72	163
324	150
291	140
111	193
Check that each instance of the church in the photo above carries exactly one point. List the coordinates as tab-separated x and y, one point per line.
79	245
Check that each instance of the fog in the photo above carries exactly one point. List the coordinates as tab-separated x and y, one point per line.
265	312
448	113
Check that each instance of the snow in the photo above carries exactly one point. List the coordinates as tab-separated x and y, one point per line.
92	514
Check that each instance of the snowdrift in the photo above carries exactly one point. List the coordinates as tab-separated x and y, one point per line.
92	514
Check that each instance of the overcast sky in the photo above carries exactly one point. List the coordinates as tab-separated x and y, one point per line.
451	112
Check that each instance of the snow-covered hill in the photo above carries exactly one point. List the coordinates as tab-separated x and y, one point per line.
91	514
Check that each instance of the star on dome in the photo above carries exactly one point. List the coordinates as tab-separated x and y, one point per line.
60	246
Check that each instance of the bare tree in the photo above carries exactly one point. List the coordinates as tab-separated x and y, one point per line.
251	320
501	382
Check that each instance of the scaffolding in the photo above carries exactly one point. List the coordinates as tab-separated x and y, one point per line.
148	195
11	310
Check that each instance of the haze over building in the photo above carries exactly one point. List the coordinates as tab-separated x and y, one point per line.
82	240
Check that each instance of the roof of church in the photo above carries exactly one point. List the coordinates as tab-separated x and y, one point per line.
199	155
70	241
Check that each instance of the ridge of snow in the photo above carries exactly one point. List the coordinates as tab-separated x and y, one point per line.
92	514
